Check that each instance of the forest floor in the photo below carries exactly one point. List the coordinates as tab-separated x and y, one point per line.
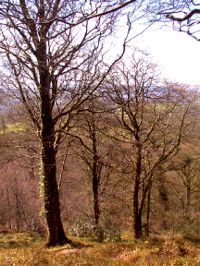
27	249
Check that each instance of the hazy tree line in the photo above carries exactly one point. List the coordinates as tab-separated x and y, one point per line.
109	141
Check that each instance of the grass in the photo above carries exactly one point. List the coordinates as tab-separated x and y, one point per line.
26	249
14	128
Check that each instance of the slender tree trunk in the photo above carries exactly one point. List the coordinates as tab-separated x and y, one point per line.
148	212
96	207
137	214
95	189
95	184
188	198
95	171
9	208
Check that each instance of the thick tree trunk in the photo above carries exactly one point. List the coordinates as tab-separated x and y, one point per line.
56	235
137	225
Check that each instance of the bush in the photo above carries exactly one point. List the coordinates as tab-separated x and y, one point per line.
106	230
82	228
111	231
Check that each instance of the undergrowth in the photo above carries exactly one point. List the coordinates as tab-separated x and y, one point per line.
29	249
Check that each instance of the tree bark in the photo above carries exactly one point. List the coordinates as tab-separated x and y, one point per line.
95	170
96	207
148	212
56	235
188	197
137	225
137	215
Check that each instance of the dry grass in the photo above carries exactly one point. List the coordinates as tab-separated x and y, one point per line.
25	249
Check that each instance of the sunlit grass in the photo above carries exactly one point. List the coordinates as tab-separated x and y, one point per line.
27	249
13	128
16	127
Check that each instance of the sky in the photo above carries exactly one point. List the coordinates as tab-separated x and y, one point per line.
176	53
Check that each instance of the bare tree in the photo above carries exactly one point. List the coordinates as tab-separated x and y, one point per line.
52	53
153	117
95	149
187	168
184	14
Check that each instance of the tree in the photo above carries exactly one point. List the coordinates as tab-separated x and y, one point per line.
185	15
52	53
95	149
154	118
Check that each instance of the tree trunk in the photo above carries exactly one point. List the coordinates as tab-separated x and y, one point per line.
188	198
95	171
56	235
148	212
137	225
95	185
137	214
96	207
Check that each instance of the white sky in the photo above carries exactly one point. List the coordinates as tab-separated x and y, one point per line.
177	54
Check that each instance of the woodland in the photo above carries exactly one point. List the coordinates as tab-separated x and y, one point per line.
94	144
